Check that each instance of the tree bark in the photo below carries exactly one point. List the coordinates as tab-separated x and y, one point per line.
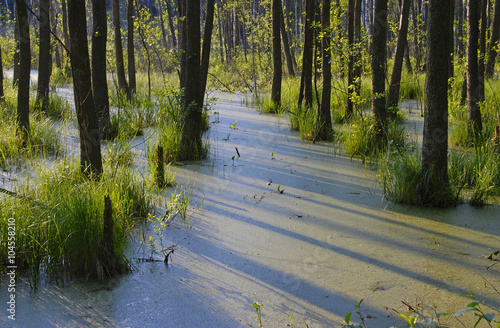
120	67
90	148
276	86
351	88
23	92
435	187
379	64
44	58
132	84
495	36
474	123
99	79
324	114
393	96
191	145
181	4
207	42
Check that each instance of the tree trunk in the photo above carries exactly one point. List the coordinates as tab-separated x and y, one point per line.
306	89
207	42
393	96
435	187
182	43
416	35
132	84
474	122
120	67
15	77
99	79
162	24
45	58
379	64
23	92
495	36
482	49
350	66
276	86
290	60
171	23
191	145
90	148
2	94
324	114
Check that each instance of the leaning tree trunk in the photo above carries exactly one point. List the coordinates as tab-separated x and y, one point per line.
276	86
90	147
162	24
99	80
393	96
495	36
132	84
474	123
324	114
120	66
191	145
171	24
23	92
435	188
379	64
44	58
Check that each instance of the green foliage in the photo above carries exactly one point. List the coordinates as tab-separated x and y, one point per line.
257	307
59	219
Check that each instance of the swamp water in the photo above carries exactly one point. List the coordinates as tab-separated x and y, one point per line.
293	226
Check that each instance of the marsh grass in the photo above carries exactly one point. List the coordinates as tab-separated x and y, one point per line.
59	220
42	141
361	139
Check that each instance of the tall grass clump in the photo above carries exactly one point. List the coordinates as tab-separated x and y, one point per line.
476	171
59	221
362	139
42	140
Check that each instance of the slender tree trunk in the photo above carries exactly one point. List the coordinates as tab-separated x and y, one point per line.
460	29
495	36
15	77
99	79
358	67
379	64
207	42
324	114
393	96
306	89
120	67
65	22
290	60
350	66
482	49
221	43
171	24
409	68
132	84
416	35
475	125
90	149
435	187
44	58
181	4
191	145
162	24
2	94
276	86
23	92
